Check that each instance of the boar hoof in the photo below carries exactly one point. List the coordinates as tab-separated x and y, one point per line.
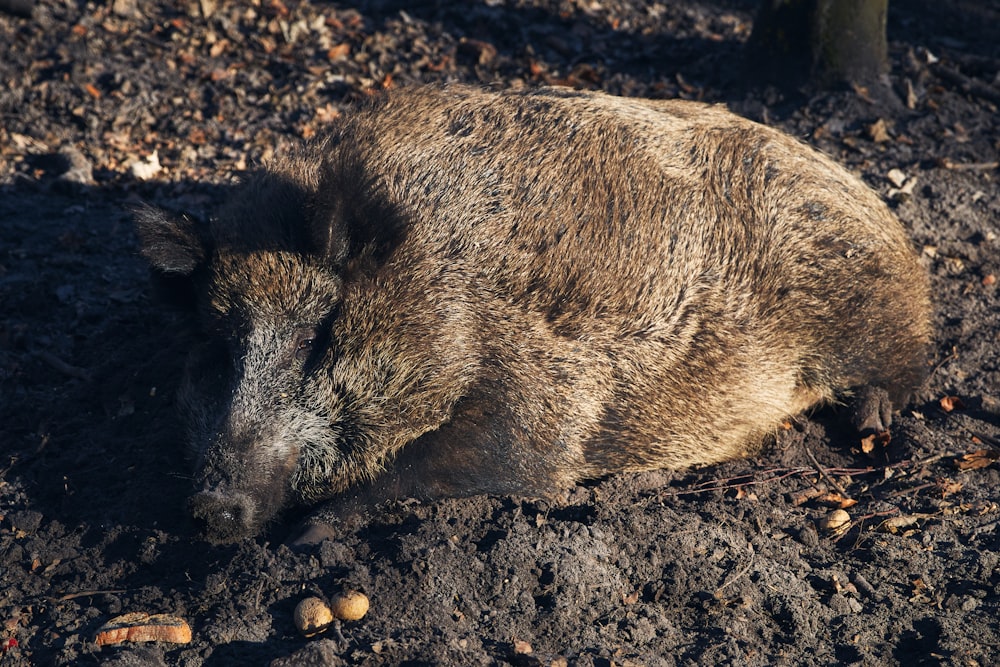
871	411
312	534
224	517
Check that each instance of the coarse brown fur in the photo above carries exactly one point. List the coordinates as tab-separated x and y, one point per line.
458	291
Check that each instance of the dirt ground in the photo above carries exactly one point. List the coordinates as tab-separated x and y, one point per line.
107	103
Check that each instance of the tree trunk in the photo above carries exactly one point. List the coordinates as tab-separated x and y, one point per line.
822	42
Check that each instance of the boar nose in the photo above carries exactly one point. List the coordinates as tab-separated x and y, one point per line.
225	517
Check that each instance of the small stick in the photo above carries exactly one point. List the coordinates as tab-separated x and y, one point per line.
718	591
823	474
83	594
968	84
968	166
63	367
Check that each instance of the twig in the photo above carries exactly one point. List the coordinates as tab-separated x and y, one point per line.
986	527
968	84
718	591
968	166
778	474
859	523
937	367
83	594
904	492
63	367
822	473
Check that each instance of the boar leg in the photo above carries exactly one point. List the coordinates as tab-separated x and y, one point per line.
871	410
483	450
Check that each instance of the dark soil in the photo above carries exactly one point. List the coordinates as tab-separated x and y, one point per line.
722	565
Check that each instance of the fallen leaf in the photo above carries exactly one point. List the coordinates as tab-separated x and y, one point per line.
950	403
836	500
483	52
896	177
144	169
948	487
869	442
218	48
895	524
978	459
879	132
338	51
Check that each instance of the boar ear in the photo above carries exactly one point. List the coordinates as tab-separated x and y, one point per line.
353	216
171	243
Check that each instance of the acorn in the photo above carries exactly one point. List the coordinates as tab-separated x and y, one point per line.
312	616
836	522
350	605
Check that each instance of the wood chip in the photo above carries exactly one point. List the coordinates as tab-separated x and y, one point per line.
141	627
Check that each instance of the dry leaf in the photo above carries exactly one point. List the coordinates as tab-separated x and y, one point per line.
949	403
978	459
896	177
144	169
836	500
869	442
897	523
879	132
339	51
522	647
949	487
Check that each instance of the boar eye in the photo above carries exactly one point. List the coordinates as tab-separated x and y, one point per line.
304	347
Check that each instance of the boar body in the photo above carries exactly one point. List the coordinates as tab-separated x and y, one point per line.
458	291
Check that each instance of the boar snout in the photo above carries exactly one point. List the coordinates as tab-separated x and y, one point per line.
241	490
224	517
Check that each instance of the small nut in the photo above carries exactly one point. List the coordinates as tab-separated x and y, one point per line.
312	617
837	521
350	605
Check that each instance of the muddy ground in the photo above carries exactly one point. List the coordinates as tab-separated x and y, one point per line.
107	103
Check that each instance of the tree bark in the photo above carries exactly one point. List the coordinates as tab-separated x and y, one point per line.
822	42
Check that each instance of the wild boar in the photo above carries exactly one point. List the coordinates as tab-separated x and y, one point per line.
457	291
